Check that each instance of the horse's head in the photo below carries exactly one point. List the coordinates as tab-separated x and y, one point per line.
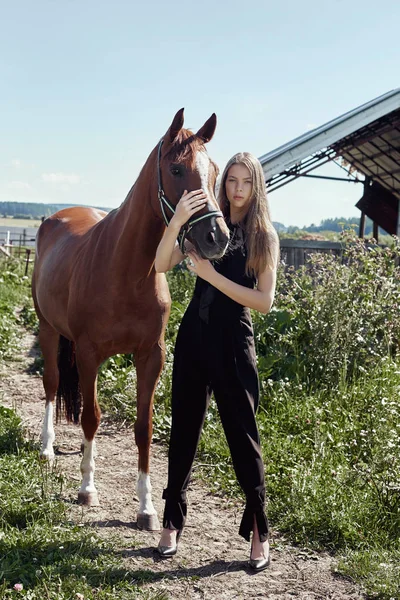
183	164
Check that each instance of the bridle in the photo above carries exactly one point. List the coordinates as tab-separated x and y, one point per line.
165	203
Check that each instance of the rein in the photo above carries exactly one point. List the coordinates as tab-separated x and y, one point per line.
165	203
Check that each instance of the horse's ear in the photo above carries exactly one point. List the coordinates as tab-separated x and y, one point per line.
207	131
176	125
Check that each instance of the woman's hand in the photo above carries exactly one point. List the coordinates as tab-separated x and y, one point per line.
202	267
188	205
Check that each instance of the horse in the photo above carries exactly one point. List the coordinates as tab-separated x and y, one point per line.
97	294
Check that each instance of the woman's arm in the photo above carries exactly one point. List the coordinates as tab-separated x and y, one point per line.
168	252
260	299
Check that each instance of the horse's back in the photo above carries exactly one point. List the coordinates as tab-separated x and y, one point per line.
69	223
59	241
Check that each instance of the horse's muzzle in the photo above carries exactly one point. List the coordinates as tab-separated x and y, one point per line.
210	237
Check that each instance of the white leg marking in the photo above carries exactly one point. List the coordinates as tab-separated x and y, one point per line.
88	468
48	435
143	489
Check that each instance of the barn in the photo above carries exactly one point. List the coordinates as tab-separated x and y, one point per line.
365	143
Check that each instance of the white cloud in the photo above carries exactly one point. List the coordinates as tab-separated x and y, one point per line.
16	163
60	178
18	185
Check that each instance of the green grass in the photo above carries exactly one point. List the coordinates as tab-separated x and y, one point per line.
39	549
332	471
329	417
16	306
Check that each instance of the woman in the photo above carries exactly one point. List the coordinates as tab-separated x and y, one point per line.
215	351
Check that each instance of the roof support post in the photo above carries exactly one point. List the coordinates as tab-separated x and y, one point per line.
375	233
361	231
361	228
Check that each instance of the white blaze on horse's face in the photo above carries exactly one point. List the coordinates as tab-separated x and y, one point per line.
203	169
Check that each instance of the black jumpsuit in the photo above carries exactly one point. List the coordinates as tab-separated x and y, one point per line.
215	352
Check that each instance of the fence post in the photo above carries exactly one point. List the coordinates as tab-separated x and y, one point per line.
28	254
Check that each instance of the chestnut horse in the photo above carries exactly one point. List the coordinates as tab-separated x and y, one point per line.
97	294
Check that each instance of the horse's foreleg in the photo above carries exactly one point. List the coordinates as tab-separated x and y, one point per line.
48	340
90	420
148	370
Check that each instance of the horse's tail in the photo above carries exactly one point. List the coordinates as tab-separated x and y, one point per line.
68	393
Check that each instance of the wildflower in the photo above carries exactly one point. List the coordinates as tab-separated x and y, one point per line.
18	587
79	596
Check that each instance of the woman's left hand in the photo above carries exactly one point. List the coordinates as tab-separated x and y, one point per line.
202	267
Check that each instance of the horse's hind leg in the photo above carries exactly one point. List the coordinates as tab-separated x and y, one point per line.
90	420
48	340
148	370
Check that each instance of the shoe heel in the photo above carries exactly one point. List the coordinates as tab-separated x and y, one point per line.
259	564
169	551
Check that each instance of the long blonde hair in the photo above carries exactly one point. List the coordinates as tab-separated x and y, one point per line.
262	241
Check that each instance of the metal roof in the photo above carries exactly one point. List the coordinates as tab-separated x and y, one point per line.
366	139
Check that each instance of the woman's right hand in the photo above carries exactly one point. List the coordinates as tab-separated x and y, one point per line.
188	205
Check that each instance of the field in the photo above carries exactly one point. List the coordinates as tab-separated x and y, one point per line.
329	420
7	222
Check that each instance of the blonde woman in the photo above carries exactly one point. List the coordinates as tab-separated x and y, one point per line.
215	348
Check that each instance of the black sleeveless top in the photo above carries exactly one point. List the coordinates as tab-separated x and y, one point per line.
212	302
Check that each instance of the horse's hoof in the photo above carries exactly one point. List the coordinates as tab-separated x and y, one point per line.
148	522
88	499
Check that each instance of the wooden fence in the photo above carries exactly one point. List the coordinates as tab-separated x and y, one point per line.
17	236
295	252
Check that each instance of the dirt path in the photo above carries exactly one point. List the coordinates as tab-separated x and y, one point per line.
211	560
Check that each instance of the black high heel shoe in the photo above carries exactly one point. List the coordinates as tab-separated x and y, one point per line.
168	551
260	564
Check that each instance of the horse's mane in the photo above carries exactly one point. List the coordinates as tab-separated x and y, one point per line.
184	148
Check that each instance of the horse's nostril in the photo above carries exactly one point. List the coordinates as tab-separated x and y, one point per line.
211	237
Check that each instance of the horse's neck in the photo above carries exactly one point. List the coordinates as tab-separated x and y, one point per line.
138	228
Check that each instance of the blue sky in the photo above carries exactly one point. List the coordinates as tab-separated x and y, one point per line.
87	88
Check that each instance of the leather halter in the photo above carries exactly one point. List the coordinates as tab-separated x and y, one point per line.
165	203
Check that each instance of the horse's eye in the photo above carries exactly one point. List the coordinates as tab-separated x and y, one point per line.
176	171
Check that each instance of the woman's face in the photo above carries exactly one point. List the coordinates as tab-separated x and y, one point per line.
238	187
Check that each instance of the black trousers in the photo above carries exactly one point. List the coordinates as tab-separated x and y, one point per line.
215	357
